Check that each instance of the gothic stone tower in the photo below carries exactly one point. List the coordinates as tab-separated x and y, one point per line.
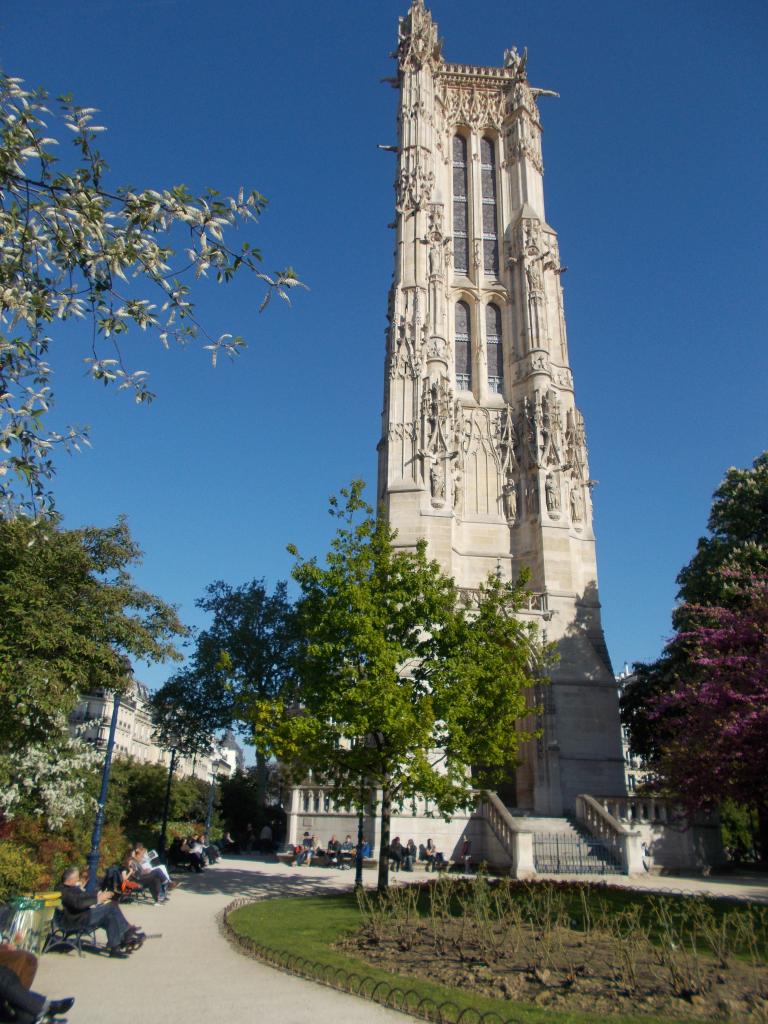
482	450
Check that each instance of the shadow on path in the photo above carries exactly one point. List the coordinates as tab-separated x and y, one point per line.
250	881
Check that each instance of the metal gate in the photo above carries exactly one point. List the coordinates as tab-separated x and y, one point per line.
562	854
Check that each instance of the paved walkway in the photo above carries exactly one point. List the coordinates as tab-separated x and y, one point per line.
192	973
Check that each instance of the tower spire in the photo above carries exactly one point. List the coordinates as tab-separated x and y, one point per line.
482	451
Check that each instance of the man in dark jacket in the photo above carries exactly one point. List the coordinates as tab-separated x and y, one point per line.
98	911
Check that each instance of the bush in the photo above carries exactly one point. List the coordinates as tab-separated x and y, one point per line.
19	872
70	845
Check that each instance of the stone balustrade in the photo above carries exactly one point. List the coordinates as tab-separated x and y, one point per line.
314	799
645	810
624	842
515	837
535	602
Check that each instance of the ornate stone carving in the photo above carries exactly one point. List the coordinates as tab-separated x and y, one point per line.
476	108
403	361
413	187
577	503
551	428
436	240
552	493
457	488
507	443
516	61
575	445
437	481
418	44
436	408
509	500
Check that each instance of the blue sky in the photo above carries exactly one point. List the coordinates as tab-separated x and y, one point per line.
656	171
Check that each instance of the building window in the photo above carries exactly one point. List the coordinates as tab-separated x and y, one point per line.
494	349
460	206
490	232
462	347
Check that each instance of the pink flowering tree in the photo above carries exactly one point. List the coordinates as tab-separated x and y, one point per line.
718	706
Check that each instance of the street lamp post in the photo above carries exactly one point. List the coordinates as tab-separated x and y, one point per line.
209	814
167	804
359	850
98	825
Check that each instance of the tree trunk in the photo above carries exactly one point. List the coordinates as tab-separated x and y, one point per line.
386	812
262	775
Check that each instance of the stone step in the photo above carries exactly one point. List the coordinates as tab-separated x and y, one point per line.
560	845
541	825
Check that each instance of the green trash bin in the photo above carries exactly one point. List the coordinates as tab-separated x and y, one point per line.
29	924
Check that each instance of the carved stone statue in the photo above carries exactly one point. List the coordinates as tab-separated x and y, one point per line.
551	493
515	60
509	497
434	258
532	495
437	481
457	492
576	503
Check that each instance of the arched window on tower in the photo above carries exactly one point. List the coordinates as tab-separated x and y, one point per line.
460	206
462	347
494	349
490	230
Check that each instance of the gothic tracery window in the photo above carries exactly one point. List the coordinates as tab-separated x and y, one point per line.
460	206
494	349
488	187
462	347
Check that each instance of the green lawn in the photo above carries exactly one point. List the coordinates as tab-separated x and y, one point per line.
309	926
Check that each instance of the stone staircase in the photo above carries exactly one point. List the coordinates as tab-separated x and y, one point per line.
594	843
560	846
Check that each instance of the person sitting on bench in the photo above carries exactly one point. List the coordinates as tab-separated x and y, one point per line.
396	853
308	849
81	908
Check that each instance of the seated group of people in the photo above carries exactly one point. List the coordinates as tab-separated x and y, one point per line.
406	856
195	852
139	870
333	854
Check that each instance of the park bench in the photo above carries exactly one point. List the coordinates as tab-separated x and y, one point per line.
289	857
64	933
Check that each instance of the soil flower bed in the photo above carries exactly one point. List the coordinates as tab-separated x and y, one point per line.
573	947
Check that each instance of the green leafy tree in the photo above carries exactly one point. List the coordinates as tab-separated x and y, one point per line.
73	246
400	687
137	791
244	655
70	616
653	706
181	717
737	537
737	540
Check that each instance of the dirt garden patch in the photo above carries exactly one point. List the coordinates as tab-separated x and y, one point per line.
573	947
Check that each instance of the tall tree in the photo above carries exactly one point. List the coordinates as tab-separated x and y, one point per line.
737	539
70	616
658	706
75	245
400	688
716	715
245	654
737	536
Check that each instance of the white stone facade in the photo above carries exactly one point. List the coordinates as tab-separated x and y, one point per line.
483	450
134	736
